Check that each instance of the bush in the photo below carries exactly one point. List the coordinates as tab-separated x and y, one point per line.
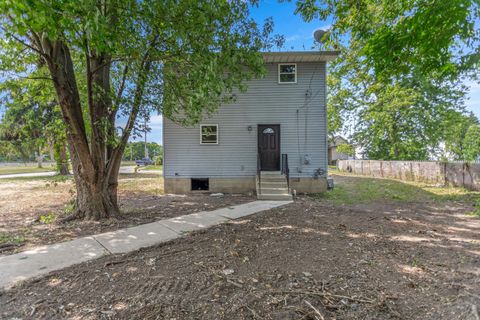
158	160
347	149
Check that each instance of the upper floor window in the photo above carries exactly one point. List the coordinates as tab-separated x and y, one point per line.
208	134
287	73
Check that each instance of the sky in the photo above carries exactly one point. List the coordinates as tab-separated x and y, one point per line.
299	36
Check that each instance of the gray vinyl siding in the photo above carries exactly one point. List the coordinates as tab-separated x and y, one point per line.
265	102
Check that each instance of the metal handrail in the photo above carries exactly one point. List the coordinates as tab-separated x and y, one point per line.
259	174
285	169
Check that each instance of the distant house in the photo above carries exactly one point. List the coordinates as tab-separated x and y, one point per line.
333	155
272	140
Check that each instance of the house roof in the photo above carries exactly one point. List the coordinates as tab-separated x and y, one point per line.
337	140
300	56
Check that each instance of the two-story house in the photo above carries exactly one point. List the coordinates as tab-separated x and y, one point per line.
271	140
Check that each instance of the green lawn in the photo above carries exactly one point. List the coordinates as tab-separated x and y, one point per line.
127	163
152	167
24	169
350	189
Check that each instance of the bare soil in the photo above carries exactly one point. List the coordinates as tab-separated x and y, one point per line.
308	260
30	208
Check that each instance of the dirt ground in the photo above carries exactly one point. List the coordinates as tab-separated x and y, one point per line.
313	259
29	209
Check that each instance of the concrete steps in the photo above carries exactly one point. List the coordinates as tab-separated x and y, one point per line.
278	197
272	186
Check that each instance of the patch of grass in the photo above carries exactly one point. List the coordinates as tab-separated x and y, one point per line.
364	190
127	163
49	179
152	167
24	169
145	183
70	206
47	218
476	209
359	189
55	180
13	239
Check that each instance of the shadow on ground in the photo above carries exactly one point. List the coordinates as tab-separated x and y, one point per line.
387	259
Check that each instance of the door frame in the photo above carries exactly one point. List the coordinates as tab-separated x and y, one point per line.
279	143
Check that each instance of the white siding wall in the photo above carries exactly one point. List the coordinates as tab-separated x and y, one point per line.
302	129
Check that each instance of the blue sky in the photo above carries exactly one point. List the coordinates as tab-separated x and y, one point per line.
299	36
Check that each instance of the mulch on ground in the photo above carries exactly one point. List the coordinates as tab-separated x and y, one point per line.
29	208
307	260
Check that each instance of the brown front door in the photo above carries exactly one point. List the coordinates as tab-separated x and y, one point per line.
269	147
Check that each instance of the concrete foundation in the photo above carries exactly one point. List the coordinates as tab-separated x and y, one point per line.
242	185
233	185
308	185
225	185
177	185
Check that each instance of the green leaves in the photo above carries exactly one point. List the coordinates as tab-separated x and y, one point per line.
397	81
182	58
472	143
432	36
462	138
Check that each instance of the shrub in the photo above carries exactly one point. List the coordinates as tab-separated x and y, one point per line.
158	160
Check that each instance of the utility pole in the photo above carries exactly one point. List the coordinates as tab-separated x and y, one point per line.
146	149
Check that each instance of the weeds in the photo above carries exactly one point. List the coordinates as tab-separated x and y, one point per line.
13	239
55	180
47	218
476	209
359	189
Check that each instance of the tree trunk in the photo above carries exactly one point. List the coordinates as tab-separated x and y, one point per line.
61	158
95	199
95	164
39	158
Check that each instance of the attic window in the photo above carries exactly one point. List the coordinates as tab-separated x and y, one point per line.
209	134
287	73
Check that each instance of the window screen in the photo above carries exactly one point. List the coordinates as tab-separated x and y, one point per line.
208	134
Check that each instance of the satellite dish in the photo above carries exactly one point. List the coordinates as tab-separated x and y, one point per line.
318	35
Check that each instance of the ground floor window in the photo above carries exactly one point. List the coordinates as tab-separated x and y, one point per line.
199	184
208	134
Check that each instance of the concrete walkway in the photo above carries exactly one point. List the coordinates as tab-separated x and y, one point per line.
131	169
42	260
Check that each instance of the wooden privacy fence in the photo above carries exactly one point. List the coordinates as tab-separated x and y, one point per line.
460	174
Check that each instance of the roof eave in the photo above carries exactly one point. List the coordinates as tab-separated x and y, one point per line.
300	56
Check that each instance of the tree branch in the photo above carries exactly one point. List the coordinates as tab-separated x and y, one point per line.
36	78
28	46
145	66
122	85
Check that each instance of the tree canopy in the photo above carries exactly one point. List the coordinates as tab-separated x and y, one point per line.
112	58
399	78
136	150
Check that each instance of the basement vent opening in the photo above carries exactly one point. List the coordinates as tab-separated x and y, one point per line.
200	184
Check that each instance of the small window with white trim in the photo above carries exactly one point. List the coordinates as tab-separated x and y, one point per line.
209	134
287	73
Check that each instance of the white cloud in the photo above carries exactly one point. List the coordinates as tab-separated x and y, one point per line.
292	38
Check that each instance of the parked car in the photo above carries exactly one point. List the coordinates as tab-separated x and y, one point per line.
144	162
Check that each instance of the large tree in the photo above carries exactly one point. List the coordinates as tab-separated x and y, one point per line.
32	122
399	77
462	137
111	58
